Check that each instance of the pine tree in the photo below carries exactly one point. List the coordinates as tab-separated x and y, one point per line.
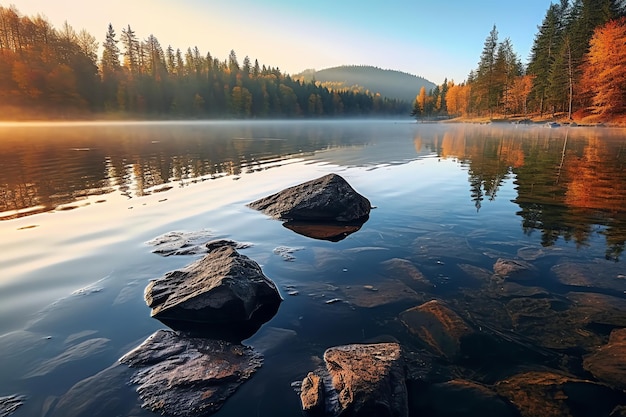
544	51
132	50
110	62
485	89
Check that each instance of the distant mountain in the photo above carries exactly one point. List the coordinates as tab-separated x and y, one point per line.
389	83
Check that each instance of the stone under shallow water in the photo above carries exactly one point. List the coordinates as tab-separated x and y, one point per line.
460	398
608	363
186	376
551	394
438	327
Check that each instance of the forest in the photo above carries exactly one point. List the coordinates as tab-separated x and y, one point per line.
576	70
58	73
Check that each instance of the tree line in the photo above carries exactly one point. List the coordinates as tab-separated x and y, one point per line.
577	67
45	68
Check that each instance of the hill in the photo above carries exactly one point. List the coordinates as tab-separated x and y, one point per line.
389	83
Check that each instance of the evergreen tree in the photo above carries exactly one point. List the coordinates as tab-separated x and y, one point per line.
131	50
547	43
485	84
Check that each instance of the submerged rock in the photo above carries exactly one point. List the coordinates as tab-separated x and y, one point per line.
460	398
104	394
360	380
222	287
404	269
512	269
189	377
10	404
440	328
595	274
608	363
389	291
80	351
328	198
549	394
180	243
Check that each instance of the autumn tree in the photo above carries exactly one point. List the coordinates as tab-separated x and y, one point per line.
604	69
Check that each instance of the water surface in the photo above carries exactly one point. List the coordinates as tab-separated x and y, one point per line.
80	202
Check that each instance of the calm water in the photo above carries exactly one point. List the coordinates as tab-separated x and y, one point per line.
79	204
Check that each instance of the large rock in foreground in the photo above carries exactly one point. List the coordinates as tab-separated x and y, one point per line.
361	380
329	198
223	287
189	377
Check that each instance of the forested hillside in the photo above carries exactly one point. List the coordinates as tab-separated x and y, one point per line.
577	69
363	78
58	72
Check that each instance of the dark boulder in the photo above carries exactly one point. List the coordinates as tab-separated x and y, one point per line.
329	198
359	380
223	287
189	377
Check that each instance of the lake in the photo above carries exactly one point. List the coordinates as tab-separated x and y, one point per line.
81	205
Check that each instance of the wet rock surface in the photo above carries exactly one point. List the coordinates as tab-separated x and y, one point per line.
328	198
101	395
460	398
386	292
190	243
10	404
512	269
185	376
438	327
222	287
599	274
407	271
551	394
608	363
359	380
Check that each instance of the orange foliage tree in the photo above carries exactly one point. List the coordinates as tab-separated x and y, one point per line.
604	68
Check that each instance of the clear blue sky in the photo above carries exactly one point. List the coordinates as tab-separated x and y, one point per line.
427	38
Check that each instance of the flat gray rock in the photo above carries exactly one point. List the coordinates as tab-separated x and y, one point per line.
186	376
328	198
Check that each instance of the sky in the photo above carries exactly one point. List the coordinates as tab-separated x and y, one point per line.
434	40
